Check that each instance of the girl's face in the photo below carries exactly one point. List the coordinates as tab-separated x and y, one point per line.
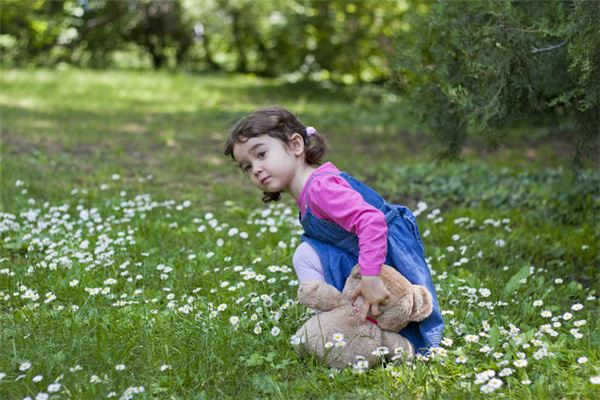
269	163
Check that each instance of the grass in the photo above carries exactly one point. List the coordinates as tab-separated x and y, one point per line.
128	244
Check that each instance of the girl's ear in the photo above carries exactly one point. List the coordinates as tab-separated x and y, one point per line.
297	144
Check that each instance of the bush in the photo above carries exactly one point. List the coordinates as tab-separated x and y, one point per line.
479	67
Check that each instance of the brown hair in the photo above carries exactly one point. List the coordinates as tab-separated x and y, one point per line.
281	124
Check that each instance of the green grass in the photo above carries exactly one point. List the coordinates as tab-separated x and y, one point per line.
123	233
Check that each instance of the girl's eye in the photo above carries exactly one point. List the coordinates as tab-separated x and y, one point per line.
262	154
246	168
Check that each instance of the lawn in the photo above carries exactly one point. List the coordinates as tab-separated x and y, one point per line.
135	262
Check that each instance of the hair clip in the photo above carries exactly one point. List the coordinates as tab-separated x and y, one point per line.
310	131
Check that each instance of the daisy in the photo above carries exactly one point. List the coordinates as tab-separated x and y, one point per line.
54	387
577	307
520	363
24	366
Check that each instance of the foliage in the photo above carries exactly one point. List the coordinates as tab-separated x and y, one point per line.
325	40
537	194
478	67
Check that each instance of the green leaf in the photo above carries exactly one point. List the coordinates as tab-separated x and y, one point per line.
255	360
514	281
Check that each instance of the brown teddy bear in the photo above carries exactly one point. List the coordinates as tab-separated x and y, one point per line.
339	338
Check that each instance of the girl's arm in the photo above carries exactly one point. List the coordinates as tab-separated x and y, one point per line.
331	197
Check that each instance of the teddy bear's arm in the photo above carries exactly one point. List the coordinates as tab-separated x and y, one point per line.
319	295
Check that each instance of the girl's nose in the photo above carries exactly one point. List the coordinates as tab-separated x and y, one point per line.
257	169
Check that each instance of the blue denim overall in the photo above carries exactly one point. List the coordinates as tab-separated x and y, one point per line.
338	252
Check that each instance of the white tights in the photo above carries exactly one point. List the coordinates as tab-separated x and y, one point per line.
307	263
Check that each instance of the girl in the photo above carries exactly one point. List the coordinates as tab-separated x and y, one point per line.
345	222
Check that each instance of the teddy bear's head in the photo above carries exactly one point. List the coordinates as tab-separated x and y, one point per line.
406	302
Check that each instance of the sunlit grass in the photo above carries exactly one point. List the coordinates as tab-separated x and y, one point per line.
135	263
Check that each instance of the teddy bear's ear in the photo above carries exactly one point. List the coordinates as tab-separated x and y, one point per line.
422	303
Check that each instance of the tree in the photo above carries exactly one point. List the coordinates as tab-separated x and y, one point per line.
479	67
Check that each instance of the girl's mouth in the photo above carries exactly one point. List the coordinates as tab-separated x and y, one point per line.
264	180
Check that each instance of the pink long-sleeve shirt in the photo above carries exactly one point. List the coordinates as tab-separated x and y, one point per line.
331	198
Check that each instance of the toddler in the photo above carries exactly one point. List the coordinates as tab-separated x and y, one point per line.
345	222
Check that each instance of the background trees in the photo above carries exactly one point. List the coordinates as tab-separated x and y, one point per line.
482	67
467	68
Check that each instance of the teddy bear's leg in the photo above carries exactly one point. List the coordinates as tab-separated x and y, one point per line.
319	295
398	344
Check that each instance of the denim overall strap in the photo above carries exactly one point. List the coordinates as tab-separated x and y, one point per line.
390	213
313	176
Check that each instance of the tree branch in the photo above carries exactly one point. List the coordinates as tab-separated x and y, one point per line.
550	48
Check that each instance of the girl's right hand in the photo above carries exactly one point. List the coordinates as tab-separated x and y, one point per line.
373	291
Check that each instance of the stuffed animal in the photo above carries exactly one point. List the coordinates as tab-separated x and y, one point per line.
338	336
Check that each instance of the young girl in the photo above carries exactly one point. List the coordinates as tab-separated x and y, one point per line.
345	222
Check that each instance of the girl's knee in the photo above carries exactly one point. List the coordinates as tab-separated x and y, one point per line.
307	263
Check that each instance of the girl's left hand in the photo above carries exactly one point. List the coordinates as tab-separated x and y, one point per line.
373	291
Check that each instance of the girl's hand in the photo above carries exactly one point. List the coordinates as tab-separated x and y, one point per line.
373	291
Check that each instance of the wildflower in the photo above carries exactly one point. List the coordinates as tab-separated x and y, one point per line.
567	316
580	322
54	387
37	378
506	372
380	351
471	338
257	329
24	366
461	359
538	303
558	281
338	337
582	360
296	340
275	331
595	380
222	307
520	363
328	345
491	385
340	343
95	379
484	376
447	342
361	365
541	353
2	375
485	349
120	367
164	367
234	320
42	396
526	382
546	314
577	307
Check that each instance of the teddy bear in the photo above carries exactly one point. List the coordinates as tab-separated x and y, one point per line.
337	336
